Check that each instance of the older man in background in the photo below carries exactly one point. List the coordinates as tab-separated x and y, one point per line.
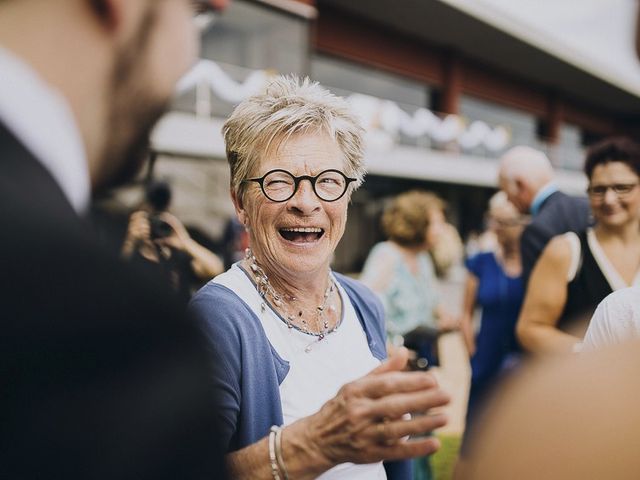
526	176
101	375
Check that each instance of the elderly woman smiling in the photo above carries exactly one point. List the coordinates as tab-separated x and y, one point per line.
304	391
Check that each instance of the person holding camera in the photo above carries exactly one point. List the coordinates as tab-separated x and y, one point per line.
159	241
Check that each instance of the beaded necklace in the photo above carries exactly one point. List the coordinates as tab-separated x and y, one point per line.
283	303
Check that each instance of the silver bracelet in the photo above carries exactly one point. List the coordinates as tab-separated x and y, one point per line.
275	470
279	456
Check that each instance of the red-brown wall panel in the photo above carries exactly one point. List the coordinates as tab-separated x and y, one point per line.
482	82
353	38
590	120
349	37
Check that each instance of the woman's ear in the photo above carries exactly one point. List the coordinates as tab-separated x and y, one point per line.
238	205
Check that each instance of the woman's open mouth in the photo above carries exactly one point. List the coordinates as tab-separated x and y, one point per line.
301	234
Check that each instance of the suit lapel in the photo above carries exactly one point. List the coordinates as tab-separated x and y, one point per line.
27	186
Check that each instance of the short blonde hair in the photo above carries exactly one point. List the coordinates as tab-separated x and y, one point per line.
406	219
289	106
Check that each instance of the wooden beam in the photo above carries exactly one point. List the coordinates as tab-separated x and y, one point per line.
452	85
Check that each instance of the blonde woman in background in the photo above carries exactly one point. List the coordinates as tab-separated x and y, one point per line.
401	271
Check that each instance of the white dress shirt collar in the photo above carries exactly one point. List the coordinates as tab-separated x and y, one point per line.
41	119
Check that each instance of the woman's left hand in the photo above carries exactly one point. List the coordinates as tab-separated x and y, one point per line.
369	420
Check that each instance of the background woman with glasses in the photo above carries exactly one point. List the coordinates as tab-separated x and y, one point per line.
576	272
306	392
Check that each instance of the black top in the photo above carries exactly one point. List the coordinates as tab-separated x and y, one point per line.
586	290
101	375
559	213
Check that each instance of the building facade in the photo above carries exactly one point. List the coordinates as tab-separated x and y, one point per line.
443	87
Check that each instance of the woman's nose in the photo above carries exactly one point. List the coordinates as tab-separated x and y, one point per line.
305	199
610	196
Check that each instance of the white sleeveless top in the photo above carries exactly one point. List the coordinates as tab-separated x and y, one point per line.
317	368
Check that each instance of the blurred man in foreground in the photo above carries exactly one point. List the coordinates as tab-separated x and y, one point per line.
102	377
568	419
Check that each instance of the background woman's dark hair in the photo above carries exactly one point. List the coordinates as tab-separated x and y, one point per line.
614	149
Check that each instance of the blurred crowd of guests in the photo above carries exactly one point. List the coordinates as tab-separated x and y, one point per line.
536	274
533	279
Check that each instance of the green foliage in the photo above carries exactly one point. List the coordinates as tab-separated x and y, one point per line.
444	460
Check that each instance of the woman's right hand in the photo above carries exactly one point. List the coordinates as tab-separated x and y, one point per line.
368	421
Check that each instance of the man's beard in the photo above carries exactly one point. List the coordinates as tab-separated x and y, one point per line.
134	111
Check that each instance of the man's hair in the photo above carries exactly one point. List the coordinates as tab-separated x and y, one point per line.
526	164
406	219
288	106
614	149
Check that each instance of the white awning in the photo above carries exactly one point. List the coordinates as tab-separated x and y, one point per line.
181	134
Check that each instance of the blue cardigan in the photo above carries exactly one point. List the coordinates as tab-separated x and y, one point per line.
249	370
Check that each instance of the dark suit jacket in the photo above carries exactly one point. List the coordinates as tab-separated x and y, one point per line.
559	213
101	375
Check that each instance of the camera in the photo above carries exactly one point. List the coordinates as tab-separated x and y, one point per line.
159	228
423	340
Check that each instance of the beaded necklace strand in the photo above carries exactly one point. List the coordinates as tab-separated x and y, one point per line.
283	303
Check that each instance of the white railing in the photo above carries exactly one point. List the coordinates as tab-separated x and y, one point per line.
387	123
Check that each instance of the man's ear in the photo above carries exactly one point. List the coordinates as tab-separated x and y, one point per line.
240	211
108	12
521	184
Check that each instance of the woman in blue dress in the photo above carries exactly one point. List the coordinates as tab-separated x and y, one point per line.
495	284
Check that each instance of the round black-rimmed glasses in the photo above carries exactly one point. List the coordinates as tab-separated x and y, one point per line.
279	185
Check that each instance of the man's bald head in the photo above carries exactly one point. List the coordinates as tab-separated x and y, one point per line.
523	172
